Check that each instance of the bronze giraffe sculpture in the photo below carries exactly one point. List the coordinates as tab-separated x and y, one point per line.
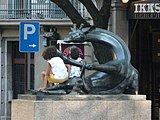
113	77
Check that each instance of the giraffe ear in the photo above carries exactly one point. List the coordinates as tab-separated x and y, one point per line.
72	29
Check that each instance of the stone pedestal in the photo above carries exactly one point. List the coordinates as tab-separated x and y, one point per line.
81	107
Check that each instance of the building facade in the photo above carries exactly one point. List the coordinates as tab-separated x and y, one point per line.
22	71
144	36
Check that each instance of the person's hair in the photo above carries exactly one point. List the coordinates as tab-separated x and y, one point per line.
49	53
74	52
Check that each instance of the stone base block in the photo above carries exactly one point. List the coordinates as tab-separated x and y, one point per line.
82	108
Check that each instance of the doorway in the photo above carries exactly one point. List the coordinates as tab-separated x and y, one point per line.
144	45
20	69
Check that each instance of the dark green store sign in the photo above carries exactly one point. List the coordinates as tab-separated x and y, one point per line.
144	10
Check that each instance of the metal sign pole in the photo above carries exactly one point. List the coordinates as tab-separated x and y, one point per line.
0	80
28	71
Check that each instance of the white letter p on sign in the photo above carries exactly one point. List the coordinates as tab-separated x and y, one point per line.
26	32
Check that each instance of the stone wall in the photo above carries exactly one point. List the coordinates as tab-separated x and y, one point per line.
82	108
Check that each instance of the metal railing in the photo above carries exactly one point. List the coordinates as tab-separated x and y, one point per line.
36	9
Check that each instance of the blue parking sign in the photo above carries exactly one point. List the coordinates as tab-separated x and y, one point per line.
29	36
